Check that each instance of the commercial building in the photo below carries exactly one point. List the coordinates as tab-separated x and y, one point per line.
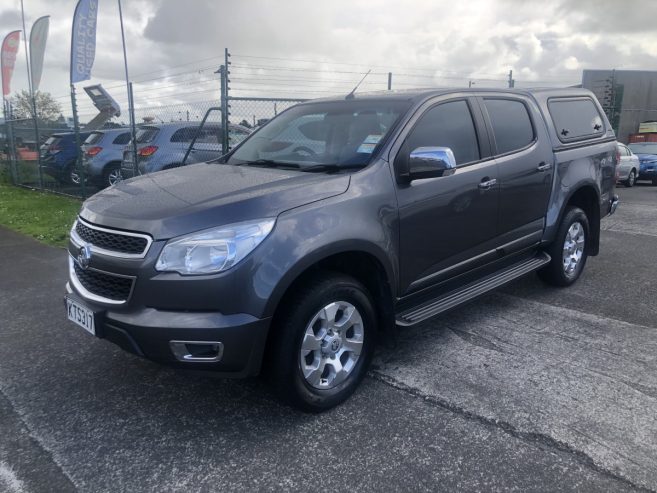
629	97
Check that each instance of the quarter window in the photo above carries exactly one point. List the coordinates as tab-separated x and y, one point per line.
511	123
447	125
122	139
576	119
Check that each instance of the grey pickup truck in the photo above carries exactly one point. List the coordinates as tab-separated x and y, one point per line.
337	220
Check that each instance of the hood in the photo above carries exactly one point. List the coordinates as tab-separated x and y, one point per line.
183	200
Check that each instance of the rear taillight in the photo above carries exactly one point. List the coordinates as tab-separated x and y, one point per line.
147	151
92	151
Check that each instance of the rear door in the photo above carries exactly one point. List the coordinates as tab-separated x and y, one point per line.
447	224
523	153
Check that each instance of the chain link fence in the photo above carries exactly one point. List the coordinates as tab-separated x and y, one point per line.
168	136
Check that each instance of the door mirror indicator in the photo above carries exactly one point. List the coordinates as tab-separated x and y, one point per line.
431	162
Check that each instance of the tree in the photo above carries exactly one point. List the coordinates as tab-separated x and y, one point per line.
48	109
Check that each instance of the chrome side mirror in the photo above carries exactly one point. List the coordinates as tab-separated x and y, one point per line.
431	162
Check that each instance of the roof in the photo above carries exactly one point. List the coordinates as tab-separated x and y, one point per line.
420	94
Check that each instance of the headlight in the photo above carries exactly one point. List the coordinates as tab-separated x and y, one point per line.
213	250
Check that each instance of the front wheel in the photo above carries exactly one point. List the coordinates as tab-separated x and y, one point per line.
568	251
322	343
631	179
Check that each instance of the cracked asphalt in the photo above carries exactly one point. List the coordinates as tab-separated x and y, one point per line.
529	388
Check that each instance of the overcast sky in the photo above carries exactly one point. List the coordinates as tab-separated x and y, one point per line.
309	48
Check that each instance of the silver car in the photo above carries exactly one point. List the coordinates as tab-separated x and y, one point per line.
628	166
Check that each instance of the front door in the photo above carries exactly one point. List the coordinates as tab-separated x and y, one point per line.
447	223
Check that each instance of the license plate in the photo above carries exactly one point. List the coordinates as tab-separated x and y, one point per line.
81	315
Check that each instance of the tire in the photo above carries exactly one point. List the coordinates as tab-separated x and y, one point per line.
308	317
70	176
557	272
631	179
111	175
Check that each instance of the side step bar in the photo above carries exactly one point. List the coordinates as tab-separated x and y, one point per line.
451	299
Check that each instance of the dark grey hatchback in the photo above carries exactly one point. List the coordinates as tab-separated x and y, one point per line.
340	219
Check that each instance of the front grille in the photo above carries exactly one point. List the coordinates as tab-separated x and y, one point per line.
104	285
115	242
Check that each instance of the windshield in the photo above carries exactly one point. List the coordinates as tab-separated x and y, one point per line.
339	134
643	148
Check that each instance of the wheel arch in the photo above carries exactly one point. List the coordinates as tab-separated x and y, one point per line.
362	263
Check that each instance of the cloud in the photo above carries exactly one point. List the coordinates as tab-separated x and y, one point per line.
175	46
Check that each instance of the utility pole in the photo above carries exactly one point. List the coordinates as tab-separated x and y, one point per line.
389	81
470	83
512	83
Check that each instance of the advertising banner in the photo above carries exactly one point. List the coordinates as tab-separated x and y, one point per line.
8	59
83	40
38	38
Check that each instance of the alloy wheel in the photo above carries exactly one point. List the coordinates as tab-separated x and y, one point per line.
332	344
573	248
114	176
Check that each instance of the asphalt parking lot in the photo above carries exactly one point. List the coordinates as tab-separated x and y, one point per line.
529	388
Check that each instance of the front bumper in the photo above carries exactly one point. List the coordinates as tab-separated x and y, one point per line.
648	174
149	333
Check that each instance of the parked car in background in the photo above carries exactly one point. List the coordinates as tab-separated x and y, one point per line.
164	146
628	165
102	154
59	156
647	154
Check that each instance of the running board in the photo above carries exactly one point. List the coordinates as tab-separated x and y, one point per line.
451	299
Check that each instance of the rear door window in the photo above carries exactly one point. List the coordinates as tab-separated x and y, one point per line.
122	139
209	135
576	119
185	134
512	125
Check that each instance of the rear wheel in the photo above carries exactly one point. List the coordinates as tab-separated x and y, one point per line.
631	179
322	343
112	174
568	251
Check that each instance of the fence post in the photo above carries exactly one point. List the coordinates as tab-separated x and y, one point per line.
76	129
389	81
224	103
512	83
11	145
225	106
38	140
133	129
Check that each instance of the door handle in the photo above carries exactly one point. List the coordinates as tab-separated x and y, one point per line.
487	184
544	166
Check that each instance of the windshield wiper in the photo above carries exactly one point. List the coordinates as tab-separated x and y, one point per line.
270	163
329	168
